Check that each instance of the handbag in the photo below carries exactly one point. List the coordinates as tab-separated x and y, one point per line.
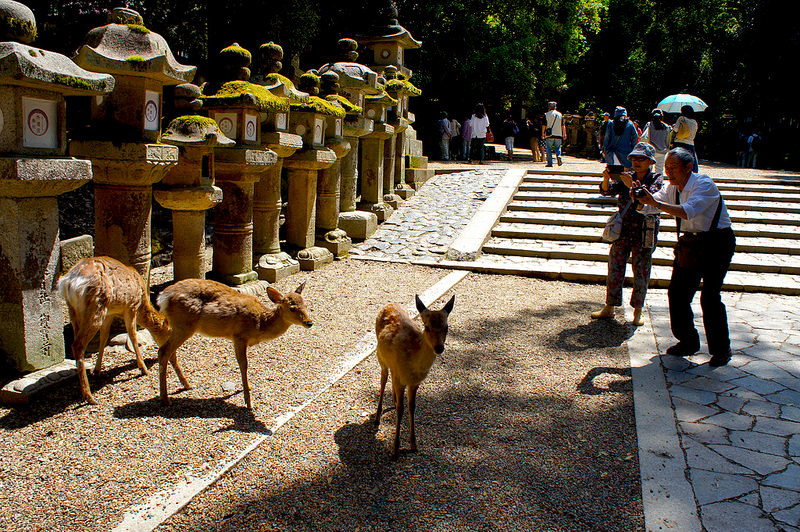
548	131
489	135
613	228
691	247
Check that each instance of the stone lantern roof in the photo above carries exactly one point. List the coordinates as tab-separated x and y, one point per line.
382	98
390	31
310	84
236	93
126	47
195	130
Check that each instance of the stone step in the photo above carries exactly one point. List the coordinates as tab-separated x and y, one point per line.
732	203
597	251
586	271
607	209
744	244
751	227
592	186
788	183
731	195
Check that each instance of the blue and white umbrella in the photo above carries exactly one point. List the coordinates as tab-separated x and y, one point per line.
673	104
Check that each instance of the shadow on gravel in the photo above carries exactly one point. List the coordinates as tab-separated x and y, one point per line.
588	386
242	419
68	397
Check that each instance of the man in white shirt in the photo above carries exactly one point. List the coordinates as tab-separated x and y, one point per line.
554	131
697	204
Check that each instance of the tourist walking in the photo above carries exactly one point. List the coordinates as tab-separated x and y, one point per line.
620	138
479	125
444	136
754	142
554	131
534	128
639	233
656	132
466	138
703	253
601	135
455	138
685	128
509	131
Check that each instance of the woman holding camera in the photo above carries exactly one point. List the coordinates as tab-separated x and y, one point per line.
639	232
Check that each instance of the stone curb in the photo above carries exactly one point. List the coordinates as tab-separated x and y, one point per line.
468	244
667	495
170	500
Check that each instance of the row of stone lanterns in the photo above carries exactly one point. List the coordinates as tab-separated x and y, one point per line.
228	148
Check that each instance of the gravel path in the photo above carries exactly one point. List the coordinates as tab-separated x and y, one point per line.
525	423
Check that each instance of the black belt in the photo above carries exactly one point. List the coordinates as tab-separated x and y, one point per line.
701	233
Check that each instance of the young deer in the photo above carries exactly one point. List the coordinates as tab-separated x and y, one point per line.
409	353
98	289
213	309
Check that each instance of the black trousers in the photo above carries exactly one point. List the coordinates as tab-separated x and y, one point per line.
684	284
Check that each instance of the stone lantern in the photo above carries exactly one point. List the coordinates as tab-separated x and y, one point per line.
387	42
589	129
124	139
238	107
373	149
355	82
395	167
34	171
188	188
329	236
309	120
273	264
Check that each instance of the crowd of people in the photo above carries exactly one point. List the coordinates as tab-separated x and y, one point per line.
650	170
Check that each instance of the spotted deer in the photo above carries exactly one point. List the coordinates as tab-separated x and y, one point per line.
96	290
214	309
408	352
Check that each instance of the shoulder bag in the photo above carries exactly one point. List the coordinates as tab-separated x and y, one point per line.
691	247
613	228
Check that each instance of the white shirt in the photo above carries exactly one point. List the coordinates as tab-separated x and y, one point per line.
553	120
479	126
699	199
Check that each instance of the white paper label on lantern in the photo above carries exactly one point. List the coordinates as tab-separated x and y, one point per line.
250	127
319	130
338	127
383	115
99	100
152	111
40	128
227	124
280	121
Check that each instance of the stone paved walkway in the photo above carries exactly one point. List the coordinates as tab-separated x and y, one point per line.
738	427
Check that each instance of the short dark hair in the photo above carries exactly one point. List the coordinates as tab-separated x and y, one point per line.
685	156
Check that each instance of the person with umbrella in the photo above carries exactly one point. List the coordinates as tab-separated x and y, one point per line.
685	129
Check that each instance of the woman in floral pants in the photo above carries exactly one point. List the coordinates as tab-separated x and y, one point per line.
639	233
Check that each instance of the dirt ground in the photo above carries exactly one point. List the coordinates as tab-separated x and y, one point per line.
526	421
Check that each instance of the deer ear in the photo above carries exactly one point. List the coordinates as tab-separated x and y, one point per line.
274	295
420	305
448	308
300	288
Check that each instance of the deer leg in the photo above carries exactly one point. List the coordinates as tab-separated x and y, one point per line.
166	353
78	348
179	371
412	404
130	326
384	378
240	349
105	330
399	393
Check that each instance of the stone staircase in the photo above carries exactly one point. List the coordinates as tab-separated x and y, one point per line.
553	224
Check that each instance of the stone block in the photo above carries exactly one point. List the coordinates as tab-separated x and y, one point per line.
314	258
276	266
416	161
418	176
75	249
358	224
22	390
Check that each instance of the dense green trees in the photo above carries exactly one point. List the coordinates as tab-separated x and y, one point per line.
735	54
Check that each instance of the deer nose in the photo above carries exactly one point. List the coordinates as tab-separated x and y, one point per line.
439	349
308	323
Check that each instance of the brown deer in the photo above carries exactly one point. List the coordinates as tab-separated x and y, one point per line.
214	309
408	352
96	290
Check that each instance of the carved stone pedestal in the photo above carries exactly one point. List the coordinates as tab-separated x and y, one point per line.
372	165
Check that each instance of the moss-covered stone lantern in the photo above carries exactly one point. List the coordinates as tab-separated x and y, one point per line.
356	81
329	235
238	107
34	171
271	263
124	139
188	188
309	120
399	116
373	149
